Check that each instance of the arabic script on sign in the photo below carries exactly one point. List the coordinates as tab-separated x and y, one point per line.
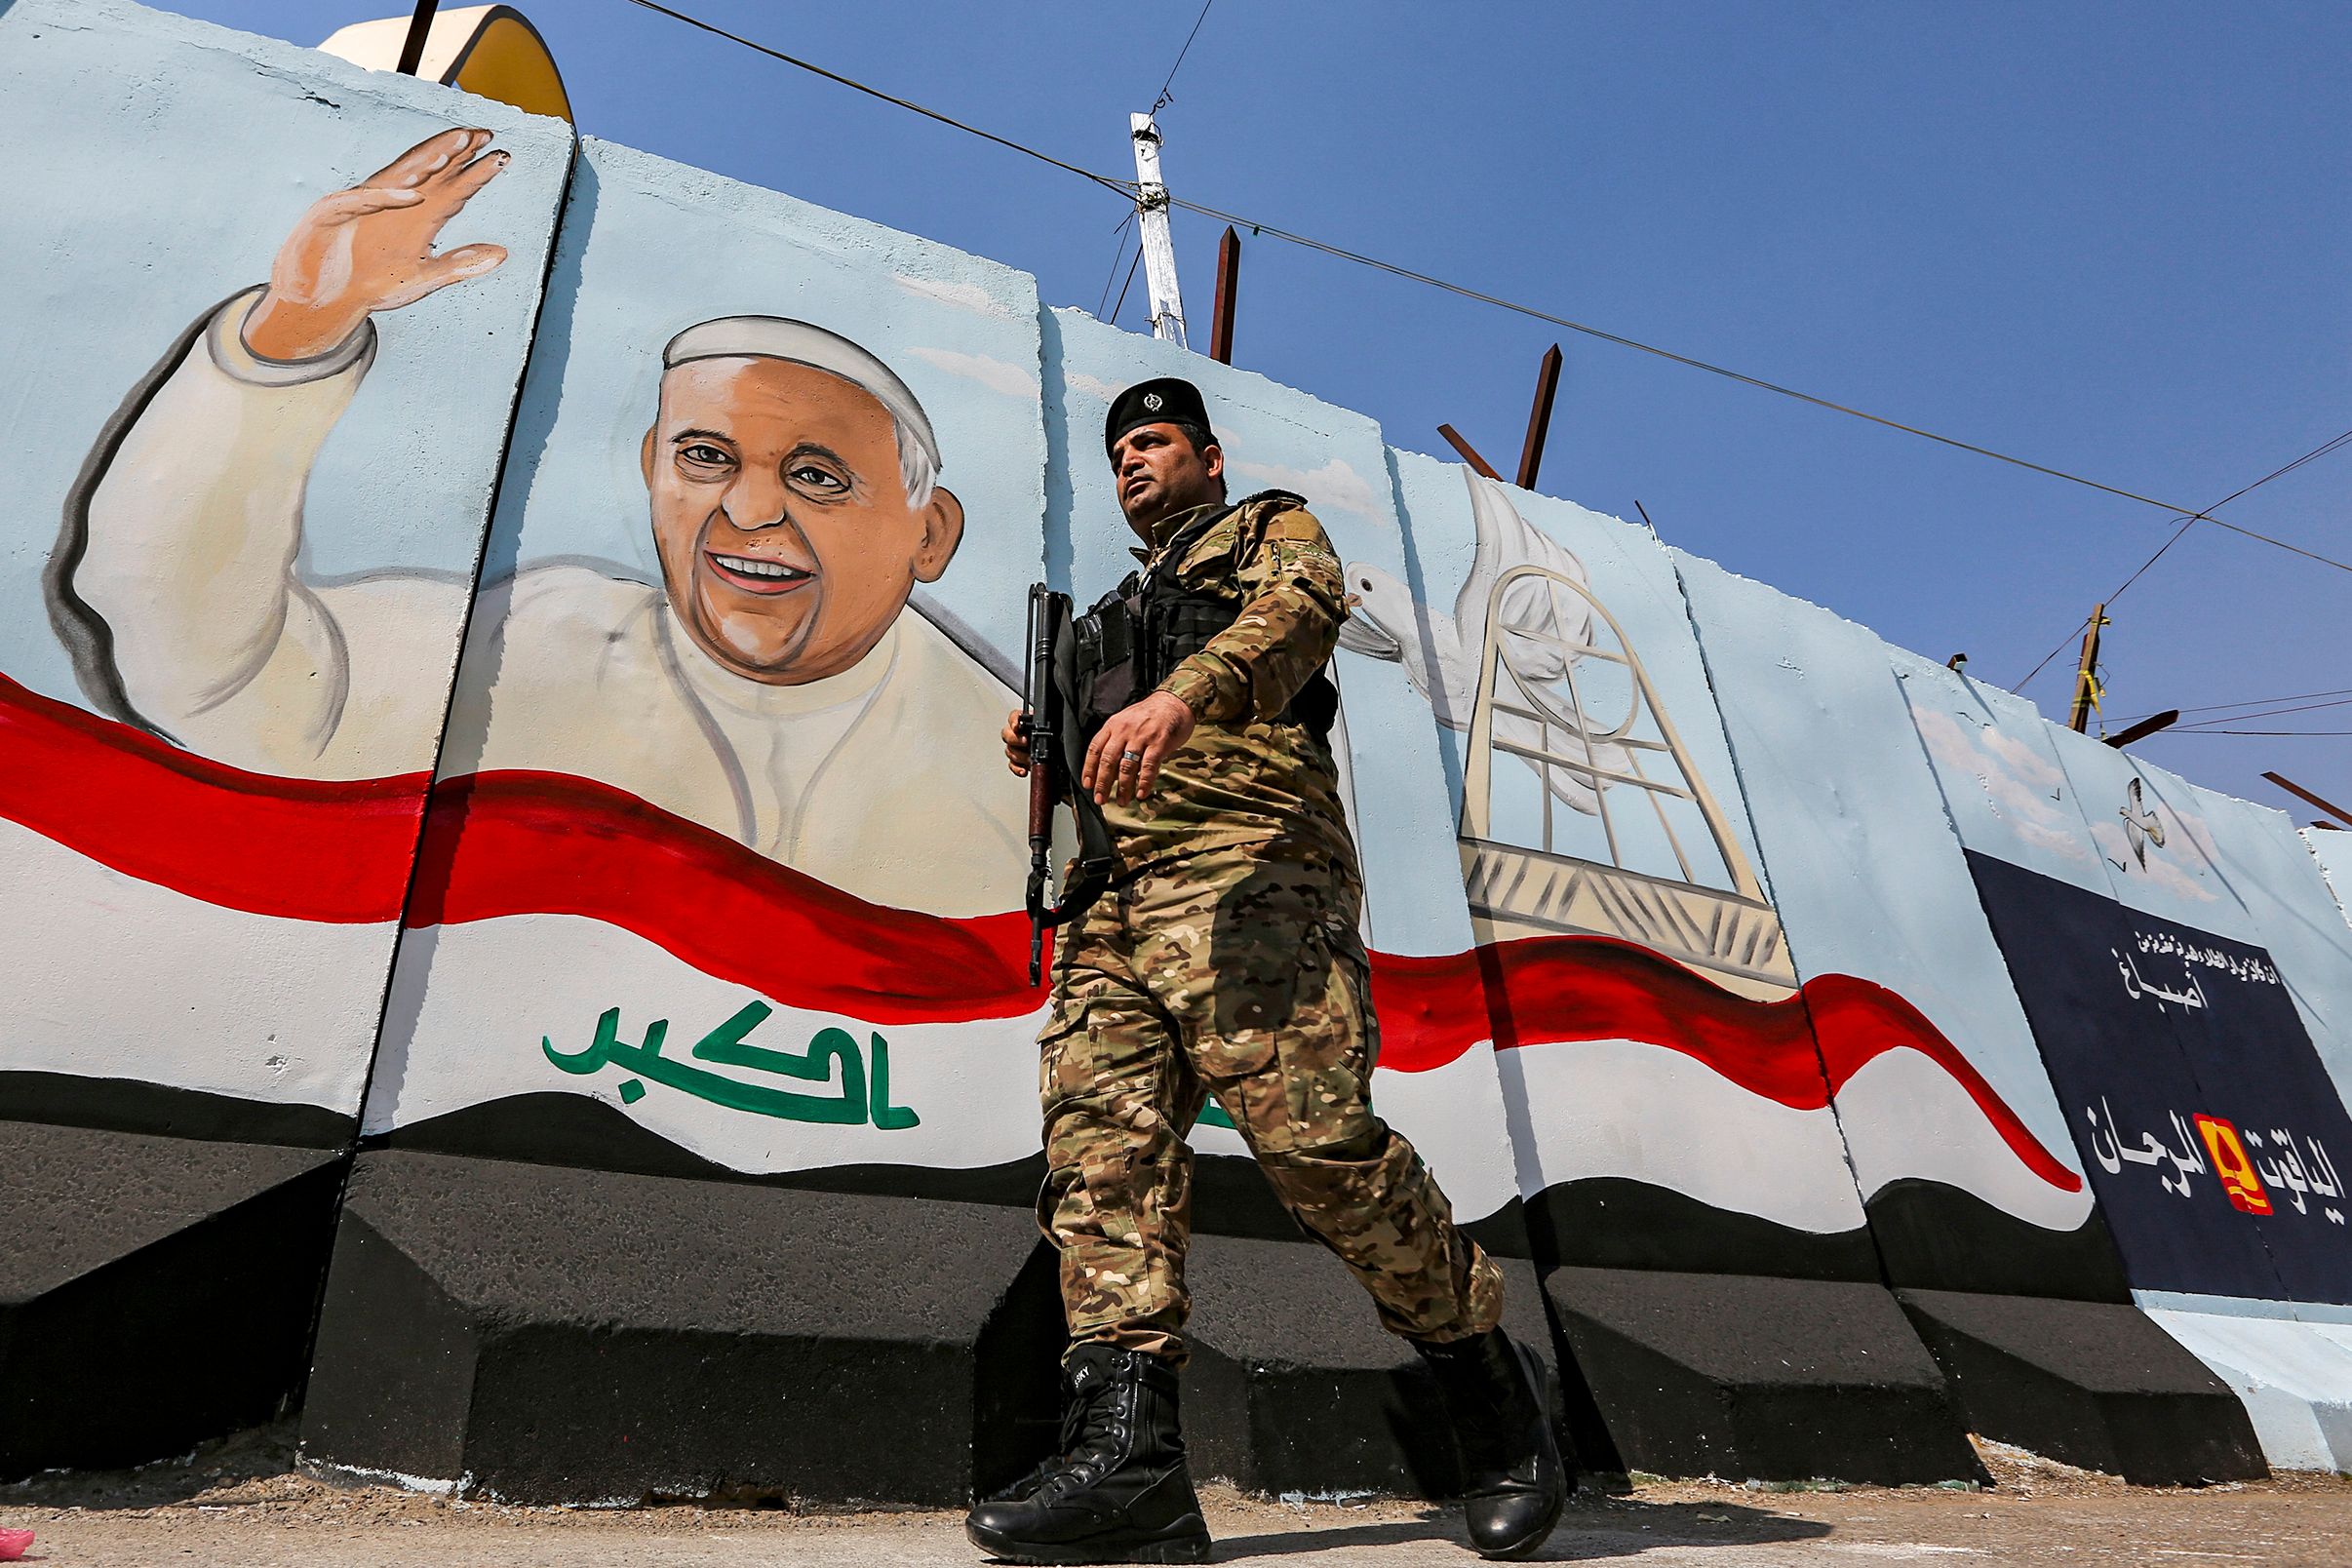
2253	970
2190	995
861	1094
2250	1165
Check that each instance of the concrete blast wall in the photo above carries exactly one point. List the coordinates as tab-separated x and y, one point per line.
516	936
233	608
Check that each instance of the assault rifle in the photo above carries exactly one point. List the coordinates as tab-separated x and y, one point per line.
1051	721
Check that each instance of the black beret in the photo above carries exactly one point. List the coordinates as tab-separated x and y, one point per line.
1163	400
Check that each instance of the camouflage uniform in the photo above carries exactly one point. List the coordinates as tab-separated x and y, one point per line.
1225	961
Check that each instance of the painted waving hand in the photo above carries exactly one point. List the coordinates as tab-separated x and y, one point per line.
370	248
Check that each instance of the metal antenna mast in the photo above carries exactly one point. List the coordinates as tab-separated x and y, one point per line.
1151	226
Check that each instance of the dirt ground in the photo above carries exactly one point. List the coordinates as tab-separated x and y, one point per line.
242	1505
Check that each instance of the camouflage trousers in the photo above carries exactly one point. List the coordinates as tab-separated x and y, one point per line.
1245	980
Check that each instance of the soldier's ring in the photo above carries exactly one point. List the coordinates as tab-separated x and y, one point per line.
1130	757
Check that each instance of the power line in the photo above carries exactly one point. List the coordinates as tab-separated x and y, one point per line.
1124	287
2187	523
1118	254
2259	731
1128	189
2250	702
1501	303
1164	100
2269	713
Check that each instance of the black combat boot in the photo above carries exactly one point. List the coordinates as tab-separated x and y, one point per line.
1513	1484
1121	1493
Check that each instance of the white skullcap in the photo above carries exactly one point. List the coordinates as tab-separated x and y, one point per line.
800	343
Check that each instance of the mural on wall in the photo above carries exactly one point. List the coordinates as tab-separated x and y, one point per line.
1631	979
221	709
791	480
721	766
179	587
2191	1080
1956	1145
1661	1077
1532	668
2194	920
536	618
1641	983
2204	1119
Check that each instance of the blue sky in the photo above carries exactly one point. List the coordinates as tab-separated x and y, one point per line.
2112	238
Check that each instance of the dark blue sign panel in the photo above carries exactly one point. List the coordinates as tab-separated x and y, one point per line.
2214	1138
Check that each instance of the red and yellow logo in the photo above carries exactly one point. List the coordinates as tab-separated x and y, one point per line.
2230	1162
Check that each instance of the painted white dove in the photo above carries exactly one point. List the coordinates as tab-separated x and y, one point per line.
2142	826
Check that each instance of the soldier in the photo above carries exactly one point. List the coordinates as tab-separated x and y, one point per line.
1223	960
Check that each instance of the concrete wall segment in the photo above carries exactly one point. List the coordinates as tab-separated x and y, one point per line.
212	796
1872	890
2293	1378
1971	985
2332	850
211	145
789	784
1561	865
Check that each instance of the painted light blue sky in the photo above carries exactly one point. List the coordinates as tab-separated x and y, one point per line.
2109	237
405	480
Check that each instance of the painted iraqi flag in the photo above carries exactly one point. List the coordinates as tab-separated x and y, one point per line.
553	922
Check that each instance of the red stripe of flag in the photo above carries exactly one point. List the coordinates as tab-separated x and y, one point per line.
512	844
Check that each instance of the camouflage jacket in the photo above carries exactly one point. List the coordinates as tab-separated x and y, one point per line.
1249	780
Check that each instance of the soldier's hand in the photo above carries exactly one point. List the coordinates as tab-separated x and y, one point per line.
1123	762
1016	744
370	248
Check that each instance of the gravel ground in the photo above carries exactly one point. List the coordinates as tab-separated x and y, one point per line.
241	1504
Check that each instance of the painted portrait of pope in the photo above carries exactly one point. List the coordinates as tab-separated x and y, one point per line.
774	687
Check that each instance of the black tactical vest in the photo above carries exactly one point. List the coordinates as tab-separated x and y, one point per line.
1137	633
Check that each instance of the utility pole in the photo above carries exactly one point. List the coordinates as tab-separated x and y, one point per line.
1152	226
420	27
2085	674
